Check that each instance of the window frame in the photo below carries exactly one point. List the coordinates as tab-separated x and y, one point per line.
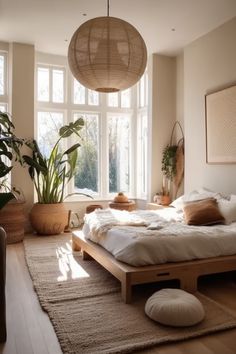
71	184
50	102
103	110
131	154
4	97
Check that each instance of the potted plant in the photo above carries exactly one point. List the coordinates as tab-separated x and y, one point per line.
50	176
172	166
11	207
169	171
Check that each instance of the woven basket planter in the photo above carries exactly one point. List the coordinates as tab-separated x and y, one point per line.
49	219
12	219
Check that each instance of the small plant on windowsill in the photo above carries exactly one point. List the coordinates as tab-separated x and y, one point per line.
50	177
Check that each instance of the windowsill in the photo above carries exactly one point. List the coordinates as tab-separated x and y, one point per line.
77	199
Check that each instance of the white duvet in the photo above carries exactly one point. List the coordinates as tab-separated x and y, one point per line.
147	237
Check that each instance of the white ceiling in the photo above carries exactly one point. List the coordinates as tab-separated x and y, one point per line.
49	24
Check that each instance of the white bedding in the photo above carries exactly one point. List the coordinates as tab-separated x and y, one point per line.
127	237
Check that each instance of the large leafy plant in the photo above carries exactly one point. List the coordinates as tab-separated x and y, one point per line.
10	146
51	174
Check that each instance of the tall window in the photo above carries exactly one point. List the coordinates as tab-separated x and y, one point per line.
2	75
48	125
86	178
119	152
142	136
3	81
51	82
106	159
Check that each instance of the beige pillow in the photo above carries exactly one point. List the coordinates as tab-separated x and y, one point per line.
203	212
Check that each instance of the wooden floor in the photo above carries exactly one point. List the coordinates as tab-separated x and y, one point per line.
30	331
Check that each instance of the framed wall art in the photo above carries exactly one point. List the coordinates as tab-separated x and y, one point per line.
220	113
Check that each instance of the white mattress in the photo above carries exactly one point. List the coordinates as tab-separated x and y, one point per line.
125	235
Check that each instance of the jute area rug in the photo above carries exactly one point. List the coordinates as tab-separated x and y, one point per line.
84	304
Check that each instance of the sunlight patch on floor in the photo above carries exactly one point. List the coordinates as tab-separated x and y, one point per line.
68	266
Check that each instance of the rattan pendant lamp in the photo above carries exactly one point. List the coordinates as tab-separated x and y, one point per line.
107	54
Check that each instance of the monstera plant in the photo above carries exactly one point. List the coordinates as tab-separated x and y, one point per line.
50	176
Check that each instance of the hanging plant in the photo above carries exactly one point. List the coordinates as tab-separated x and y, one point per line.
169	161
172	162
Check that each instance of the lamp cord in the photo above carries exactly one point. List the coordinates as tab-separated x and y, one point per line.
108	6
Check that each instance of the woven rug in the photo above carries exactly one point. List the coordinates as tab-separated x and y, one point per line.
84	304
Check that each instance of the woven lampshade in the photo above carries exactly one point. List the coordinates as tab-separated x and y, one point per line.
107	54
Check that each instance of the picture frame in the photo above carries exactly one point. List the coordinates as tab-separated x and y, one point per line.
220	117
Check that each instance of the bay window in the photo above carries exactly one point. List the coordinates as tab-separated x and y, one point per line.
107	157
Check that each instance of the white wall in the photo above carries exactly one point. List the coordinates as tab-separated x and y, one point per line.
209	64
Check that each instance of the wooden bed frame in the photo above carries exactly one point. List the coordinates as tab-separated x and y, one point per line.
187	272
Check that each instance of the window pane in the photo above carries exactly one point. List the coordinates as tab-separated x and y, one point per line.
2	75
49	124
43	84
143	154
2	107
86	179
125	98
146	90
142	91
79	93
113	99
93	98
119	153
58	85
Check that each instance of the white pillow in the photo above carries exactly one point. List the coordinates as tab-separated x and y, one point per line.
228	210
212	194
194	196
233	198
179	202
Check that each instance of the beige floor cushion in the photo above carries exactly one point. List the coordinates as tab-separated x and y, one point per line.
174	307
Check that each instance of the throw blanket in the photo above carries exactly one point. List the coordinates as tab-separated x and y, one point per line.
102	220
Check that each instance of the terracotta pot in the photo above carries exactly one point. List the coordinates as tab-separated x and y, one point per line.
92	207
12	219
165	199
121	198
49	219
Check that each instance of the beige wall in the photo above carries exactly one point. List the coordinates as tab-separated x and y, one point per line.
209	63
162	114
22	69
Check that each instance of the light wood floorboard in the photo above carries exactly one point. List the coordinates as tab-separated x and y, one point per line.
30	330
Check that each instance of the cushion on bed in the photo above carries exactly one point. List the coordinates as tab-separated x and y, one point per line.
203	212
228	210
194	196
174	307
233	198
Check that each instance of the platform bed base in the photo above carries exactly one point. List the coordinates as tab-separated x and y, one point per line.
186	272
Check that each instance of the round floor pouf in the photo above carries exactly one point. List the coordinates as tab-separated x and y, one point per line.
174	307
